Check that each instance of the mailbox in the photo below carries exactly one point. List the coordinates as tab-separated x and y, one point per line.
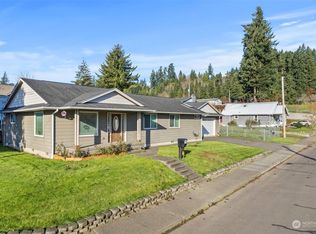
182	142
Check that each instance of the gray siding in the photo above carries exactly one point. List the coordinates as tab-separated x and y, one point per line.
21	134
164	134
65	129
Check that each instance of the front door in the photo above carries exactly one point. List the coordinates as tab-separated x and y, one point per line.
116	133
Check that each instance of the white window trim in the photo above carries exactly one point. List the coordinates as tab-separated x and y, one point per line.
35	124
174	120
150	121
97	127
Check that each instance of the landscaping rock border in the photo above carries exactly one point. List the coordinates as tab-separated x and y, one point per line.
89	223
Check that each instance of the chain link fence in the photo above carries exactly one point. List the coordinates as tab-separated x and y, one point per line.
263	134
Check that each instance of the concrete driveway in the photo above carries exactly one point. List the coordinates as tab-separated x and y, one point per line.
282	201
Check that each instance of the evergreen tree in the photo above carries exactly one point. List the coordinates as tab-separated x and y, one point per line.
171	72
153	79
117	70
210	71
4	79
83	75
258	69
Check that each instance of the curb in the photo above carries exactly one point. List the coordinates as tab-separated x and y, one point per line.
224	196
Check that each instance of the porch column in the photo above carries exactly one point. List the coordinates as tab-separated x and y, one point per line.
139	126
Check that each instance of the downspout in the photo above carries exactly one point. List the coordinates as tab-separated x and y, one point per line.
53	131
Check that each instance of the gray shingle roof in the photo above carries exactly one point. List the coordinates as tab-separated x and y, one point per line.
58	94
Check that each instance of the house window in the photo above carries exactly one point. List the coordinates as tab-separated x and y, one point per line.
235	116
150	121
174	121
38	124
12	118
88	124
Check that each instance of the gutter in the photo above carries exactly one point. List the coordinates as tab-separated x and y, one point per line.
53	131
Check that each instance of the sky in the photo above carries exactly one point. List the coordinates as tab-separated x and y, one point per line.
48	39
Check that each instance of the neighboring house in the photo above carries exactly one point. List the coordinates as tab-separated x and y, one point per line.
212	101
5	91
211	118
266	114
42	114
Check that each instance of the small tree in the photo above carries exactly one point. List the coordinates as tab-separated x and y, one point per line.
4	79
117	70
83	75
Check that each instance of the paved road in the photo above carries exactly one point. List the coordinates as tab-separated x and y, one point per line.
268	205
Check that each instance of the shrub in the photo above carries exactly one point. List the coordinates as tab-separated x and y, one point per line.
250	123
232	123
78	152
118	148
61	150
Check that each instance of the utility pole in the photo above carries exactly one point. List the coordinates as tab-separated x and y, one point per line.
283	109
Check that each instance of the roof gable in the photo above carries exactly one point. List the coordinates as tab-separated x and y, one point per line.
114	96
24	95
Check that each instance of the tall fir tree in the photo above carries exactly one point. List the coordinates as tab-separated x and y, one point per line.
117	70
258	69
172	76
4	79
83	75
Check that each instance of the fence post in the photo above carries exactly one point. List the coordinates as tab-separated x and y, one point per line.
264	134
227	130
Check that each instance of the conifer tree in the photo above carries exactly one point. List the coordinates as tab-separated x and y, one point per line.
83	75
171	72
4	79
117	70
258	69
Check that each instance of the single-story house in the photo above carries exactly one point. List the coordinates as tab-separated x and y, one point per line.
40	114
265	114
211	118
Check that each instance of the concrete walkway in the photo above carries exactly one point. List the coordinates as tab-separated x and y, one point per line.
170	214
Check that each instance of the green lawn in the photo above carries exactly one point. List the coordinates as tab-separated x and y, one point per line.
288	140
36	192
302	130
300	108
208	156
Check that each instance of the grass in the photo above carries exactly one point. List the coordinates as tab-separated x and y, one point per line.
299	108
37	192
208	156
302	130
288	140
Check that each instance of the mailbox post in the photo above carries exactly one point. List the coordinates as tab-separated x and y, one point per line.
182	142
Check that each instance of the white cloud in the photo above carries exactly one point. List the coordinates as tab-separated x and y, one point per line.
221	59
88	52
293	15
290	23
291	37
2	43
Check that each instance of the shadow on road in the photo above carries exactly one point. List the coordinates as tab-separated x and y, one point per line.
297	153
294	230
